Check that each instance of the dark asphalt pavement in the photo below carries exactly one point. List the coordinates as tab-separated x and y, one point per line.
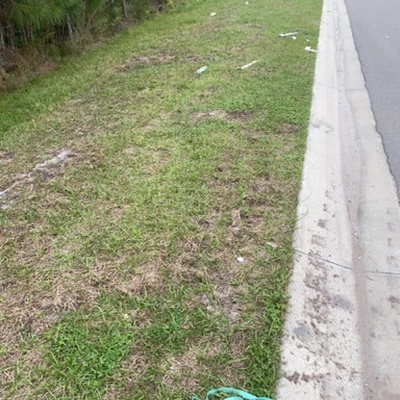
376	30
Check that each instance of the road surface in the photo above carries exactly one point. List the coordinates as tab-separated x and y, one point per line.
376	30
342	328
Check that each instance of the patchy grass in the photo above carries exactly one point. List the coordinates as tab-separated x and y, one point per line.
130	186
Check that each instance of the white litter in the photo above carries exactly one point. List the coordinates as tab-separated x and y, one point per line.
289	34
272	244
60	157
310	50
201	70
247	3
3	192
213	14
240	259
248	65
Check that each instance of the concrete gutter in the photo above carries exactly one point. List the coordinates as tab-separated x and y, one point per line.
342	329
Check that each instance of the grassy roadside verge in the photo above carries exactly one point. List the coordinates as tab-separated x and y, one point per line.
133	185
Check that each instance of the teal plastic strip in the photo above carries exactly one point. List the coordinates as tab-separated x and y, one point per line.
237	394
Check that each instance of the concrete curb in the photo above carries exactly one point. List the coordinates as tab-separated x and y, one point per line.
343	321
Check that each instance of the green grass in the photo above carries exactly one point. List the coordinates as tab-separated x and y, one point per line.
119	269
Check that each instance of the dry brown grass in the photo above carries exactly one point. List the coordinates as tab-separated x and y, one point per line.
286	128
236	116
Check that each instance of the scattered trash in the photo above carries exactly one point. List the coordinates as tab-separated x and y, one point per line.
272	244
3	192
240	259
213	14
60	157
236	393
27	177
201	70
248	65
308	40
310	50
289	34
247	3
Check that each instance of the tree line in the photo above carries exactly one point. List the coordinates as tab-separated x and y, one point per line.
55	22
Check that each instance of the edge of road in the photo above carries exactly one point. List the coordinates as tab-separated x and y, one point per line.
343	321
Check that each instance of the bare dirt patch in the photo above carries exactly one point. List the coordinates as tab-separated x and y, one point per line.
16	365
239	116
286	128
226	294
156	124
183	370
30	309
236	116
132	369
139	62
147	277
210	92
250	25
45	170
200	58
156	160
203	116
5	156
255	135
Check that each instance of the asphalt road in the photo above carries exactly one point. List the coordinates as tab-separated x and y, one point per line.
376	30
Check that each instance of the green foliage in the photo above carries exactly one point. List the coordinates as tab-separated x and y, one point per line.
55	22
38	14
